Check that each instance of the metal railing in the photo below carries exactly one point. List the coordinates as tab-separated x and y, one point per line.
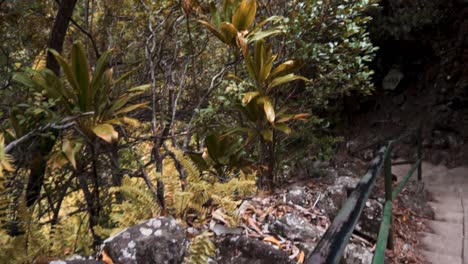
332	245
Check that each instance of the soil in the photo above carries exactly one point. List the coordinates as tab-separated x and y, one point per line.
433	92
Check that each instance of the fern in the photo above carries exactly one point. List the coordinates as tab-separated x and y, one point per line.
201	249
5	159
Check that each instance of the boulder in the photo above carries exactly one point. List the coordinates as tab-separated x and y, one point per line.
392	79
296	228
157	240
356	254
348	182
245	250
371	217
297	195
334	198
77	260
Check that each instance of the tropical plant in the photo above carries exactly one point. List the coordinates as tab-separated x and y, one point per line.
232	24
258	106
87	94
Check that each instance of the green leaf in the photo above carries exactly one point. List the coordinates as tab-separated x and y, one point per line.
215	16
284	118
249	96
230	33
67	71
266	69
283	128
106	132
24	80
131	108
267	134
101	65
212	145
140	88
244	15
262	34
80	68
287	67
249	63
285	79
125	75
213	30
259	57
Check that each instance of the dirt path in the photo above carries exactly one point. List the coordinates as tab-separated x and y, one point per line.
447	242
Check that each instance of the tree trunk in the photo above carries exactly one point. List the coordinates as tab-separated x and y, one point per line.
59	30
38	166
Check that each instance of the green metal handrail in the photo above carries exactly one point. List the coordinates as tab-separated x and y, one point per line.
331	247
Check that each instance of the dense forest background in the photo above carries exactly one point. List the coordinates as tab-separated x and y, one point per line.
113	112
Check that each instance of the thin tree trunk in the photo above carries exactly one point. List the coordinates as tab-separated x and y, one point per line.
58	32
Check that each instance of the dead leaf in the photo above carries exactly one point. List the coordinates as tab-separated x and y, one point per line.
273	240
106	259
253	224
301	257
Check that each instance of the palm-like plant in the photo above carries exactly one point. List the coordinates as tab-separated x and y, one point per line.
258	105
233	25
87	92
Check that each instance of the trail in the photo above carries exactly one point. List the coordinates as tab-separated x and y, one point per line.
447	241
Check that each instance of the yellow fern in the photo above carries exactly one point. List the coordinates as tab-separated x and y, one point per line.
201	249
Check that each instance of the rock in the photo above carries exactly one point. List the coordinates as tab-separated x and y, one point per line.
348	182
399	100
245	250
356	254
157	240
368	154
440	157
371	217
219	230
321	164
329	173
297	195
453	141
392	79
334	198
296	228
352	145
438	140
77	260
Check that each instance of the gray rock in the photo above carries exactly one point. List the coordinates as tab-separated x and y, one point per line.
332	200
157	240
371	217
76	259
296	228
356	254
245	250
329	173
368	154
321	164
439	140
453	141
392	79
297	195
348	182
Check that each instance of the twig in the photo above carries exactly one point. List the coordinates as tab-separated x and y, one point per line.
316	201
57	126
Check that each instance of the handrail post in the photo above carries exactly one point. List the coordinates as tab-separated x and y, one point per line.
388	189
420	151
